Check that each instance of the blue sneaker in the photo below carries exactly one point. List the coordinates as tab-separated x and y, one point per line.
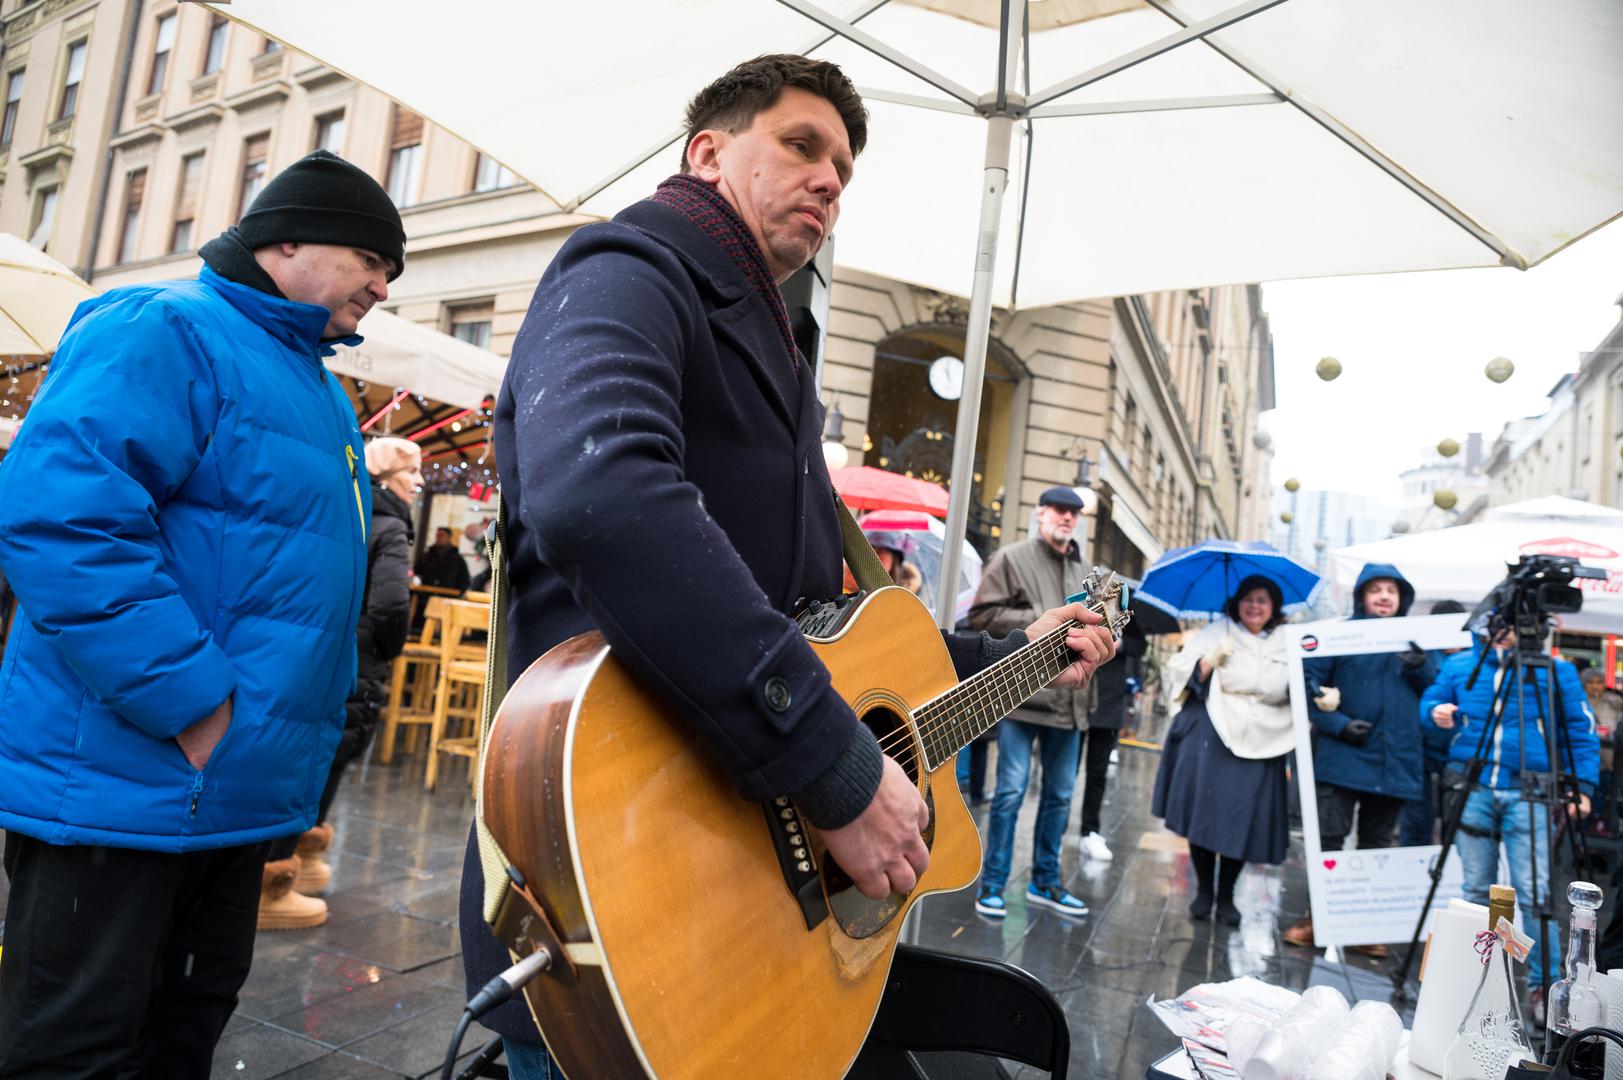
990	903
1052	896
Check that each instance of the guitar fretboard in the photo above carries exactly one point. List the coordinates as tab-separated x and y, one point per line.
952	721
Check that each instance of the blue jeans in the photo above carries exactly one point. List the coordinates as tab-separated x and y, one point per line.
529	1061
1059	747
1495	810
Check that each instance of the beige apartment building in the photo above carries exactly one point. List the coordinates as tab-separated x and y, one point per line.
1151	400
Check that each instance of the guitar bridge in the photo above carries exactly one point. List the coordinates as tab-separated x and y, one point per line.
796	859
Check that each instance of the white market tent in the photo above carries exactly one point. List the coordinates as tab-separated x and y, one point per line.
1464	562
399	352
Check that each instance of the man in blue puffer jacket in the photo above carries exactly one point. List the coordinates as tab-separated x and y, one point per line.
175	687
1494	809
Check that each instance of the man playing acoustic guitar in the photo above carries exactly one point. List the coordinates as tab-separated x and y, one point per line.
658	439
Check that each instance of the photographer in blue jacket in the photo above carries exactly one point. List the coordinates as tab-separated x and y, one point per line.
1494	808
174	690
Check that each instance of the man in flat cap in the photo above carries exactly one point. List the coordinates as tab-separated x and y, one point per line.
174	690
1022	581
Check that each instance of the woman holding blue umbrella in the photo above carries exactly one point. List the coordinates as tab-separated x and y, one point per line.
1221	783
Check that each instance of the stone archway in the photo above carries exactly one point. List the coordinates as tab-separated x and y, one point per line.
910	423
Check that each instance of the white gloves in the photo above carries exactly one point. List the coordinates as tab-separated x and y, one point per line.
1328	699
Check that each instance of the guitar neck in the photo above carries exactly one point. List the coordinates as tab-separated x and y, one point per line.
953	720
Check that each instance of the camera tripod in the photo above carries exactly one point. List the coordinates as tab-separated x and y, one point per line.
1551	789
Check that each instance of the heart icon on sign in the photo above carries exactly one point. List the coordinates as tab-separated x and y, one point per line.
1329	864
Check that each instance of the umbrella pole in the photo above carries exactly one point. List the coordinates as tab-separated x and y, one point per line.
999	136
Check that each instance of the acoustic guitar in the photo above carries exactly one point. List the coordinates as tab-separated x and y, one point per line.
698	934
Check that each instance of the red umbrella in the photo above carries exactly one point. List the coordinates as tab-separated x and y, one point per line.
866	488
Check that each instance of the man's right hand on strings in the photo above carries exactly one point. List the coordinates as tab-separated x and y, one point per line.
883	849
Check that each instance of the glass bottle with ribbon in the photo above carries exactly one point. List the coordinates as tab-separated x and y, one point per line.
1491	1038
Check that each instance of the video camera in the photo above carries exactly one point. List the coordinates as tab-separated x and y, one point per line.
1537	587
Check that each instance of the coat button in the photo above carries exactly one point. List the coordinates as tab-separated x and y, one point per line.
778	697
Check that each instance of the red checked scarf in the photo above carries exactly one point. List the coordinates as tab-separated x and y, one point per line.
707	208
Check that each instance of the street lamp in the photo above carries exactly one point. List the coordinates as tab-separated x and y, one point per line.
834	452
1084	470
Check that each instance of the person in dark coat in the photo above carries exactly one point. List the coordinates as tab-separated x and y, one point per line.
1221	782
396	468
442	565
1368	754
659	443
1107	711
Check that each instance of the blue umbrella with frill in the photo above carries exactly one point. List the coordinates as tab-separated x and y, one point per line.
1196	581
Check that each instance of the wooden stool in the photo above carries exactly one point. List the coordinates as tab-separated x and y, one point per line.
461	687
415	669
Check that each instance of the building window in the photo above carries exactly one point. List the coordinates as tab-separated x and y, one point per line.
14	98
191	183
1129	430
330	132
405	146
271	45
471	323
490	174
135	189
160	52
43	217
214	53
254	153
70	82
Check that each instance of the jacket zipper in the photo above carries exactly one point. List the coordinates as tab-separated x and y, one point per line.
197	792
355	485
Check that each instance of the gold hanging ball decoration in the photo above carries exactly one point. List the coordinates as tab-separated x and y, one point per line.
1328	368
1445	499
1293	485
1287	517
1448	448
1499	369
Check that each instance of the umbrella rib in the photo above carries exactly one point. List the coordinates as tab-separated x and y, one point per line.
1192	31
669	140
867	41
1113	108
917	101
1508	256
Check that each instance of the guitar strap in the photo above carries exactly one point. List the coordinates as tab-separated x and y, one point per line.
491	859
866	568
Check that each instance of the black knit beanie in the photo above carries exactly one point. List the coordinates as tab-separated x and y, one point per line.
323	199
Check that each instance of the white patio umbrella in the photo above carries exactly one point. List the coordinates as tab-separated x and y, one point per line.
399	352
37	298
1152	144
1464	562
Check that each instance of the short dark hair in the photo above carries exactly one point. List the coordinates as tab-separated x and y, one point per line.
732	101
1275	595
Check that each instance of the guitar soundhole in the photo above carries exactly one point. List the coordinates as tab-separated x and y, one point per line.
858	916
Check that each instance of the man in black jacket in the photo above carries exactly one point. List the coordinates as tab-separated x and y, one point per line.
442	564
659	443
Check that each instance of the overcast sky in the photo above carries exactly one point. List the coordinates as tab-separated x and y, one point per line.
1412	349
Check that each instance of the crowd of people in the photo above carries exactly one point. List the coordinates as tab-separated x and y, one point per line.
212	605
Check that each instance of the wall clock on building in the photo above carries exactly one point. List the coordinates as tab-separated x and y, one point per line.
947	378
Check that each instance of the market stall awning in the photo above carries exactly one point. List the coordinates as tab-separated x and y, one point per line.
400	353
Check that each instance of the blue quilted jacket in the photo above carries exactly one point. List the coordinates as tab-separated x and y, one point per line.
182	517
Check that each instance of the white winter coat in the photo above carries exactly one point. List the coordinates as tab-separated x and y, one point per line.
1248	698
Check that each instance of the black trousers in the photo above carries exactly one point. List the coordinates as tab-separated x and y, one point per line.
1377	817
1097	742
122	963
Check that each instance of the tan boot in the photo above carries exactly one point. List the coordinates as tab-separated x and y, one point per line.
314	872
280	908
1301	934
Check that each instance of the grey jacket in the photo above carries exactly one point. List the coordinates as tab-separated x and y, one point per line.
1021	582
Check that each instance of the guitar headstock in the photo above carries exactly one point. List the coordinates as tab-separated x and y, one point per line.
1106	595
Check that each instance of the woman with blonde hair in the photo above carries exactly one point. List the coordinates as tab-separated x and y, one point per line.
1221	783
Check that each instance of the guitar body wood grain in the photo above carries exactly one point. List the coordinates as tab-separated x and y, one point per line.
694	959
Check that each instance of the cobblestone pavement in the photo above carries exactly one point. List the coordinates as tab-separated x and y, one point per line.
375	993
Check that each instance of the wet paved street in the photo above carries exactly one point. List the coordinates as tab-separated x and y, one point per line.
376	992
